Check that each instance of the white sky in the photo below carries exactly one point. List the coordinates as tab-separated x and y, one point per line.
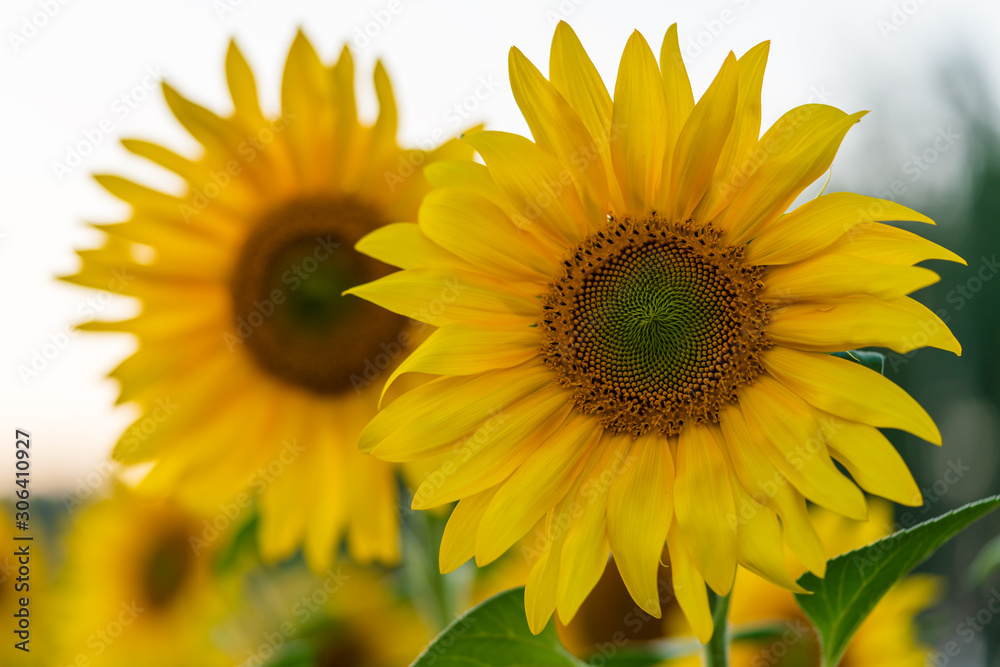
59	82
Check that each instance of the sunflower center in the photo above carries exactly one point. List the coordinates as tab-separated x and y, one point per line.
287	302
654	323
166	570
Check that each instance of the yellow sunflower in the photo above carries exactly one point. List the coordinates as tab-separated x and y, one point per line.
136	589
887	637
347	616
633	333
253	373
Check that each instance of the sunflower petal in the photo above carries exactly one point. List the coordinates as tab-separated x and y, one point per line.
874	462
849	323
640	506
638	126
850	390
689	586
705	505
701	141
793	441
836	275
816	224
458	544
536	487
793	153
890	245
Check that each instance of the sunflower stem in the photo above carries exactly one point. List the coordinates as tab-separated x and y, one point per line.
717	649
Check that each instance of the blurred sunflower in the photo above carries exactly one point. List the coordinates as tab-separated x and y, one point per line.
287	615
634	334
253	373
887	637
135	589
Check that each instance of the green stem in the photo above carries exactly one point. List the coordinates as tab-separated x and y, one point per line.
717	649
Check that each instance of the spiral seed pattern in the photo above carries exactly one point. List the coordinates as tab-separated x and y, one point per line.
653	324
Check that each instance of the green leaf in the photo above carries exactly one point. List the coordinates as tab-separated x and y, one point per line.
986	563
857	580
496	633
867	358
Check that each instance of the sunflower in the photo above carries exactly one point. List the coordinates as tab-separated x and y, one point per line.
886	637
136	589
632	332
288	615
254	375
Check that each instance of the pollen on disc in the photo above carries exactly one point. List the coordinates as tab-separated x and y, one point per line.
652	324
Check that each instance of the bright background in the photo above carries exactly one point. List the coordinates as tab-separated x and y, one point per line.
77	76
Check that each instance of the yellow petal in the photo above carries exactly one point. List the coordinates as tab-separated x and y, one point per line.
640	507
458	543
310	119
678	100
735	162
471	227
836	275
689	586
434	415
537	185
461	349
242	87
854	322
586	550
792	440
496	450
890	245
705	505
793	153
873	462
535	488
384	131
557	128
403	245
214	133
442	296
701	141
575	77
819	222
540	590
766	484
638	126
850	390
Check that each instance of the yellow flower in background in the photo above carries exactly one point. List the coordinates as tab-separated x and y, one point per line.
633	333
345	616
887	637
253	373
135	589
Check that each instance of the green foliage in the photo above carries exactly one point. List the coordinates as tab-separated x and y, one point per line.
867	358
496	633
857	580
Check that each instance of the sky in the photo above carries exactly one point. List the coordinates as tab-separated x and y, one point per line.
78	76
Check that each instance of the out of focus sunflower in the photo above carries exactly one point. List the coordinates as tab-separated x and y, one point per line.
136	588
344	617
636	346
254	374
887	637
